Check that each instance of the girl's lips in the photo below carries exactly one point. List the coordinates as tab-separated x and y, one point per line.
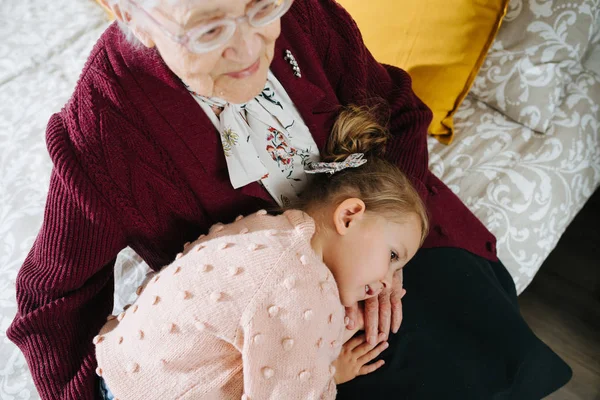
251	70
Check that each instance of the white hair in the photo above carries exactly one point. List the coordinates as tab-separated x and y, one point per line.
129	35
127	32
147	4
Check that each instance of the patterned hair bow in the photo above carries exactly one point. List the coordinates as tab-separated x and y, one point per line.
353	161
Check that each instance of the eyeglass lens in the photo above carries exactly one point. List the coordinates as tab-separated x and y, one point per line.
261	13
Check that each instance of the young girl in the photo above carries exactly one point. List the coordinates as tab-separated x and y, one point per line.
255	309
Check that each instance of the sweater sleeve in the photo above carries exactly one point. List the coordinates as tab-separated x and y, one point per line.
358	78
290	342
65	286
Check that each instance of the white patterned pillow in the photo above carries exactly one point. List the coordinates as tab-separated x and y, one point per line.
542	46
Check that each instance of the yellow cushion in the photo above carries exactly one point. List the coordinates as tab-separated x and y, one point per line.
441	44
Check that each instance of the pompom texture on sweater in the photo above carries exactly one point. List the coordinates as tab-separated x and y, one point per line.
250	324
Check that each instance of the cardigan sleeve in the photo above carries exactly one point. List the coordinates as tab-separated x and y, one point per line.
65	286
358	78
290	340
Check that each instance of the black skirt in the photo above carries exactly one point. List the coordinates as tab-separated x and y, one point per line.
462	337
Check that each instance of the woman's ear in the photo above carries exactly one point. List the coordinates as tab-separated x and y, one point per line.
125	17
347	214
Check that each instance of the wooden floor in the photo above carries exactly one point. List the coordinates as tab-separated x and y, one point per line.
562	305
568	321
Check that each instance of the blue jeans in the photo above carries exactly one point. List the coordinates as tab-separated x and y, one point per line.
105	391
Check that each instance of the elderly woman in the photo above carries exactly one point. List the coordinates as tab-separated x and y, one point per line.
191	112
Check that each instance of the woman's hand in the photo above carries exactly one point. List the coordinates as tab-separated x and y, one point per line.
355	357
381	314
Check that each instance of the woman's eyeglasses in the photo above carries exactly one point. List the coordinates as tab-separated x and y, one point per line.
213	35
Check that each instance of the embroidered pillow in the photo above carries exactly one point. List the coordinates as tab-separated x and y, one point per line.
543	46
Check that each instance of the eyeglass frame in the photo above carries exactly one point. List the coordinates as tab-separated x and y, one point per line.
184	37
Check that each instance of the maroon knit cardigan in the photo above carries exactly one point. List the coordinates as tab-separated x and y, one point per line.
137	163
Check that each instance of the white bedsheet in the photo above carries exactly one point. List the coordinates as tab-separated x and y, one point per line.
525	188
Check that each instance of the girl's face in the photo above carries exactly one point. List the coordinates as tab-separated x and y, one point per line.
235	72
367	250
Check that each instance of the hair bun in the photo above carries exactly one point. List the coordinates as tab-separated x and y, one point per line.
356	130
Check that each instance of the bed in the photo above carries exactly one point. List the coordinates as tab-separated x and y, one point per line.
525	174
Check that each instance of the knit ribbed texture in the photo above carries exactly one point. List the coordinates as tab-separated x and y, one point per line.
137	163
248	304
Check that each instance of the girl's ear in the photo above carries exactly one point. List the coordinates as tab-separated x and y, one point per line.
123	16
347	214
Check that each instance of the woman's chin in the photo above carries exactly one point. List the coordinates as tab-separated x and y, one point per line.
241	91
242	98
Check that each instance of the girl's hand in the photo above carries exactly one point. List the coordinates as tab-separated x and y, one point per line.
355	357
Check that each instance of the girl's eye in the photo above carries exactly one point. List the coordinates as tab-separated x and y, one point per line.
394	256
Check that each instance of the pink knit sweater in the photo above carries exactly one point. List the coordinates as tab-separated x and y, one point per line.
249	310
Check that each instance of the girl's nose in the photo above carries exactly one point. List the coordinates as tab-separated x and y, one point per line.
376	288
387	281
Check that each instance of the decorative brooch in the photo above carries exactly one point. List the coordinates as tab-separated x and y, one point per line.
289	57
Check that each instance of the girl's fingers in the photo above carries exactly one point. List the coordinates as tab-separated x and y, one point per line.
355	342
373	354
367	369
366	347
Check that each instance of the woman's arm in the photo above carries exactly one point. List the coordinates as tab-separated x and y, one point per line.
65	286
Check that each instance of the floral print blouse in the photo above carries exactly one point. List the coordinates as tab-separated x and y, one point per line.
264	140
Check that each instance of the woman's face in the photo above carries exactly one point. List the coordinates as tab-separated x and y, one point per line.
235	72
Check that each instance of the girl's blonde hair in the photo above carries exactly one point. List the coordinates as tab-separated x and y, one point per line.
379	184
